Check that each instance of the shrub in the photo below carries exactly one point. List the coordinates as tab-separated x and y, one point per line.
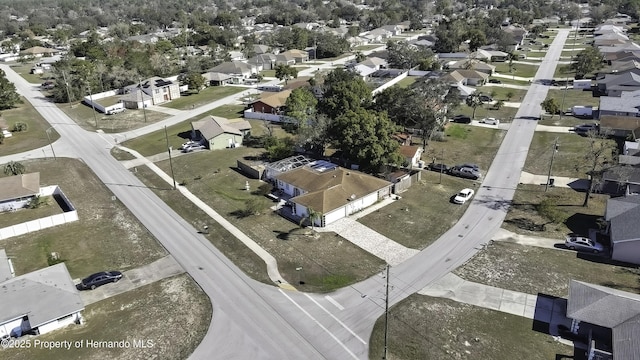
20	126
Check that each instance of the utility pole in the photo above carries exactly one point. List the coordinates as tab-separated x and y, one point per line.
553	154
64	77
386	315
144	106
50	145
166	135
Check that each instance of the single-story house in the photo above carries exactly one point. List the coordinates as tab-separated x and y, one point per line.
285	59
622	214
38	51
466	77
217	79
135	98
615	85
627	104
260	49
332	191
412	155
263	61
489	55
375	63
18	190
470	64
39	302
238	70
624	178
271	103
220	133
299	56
616	316
619	126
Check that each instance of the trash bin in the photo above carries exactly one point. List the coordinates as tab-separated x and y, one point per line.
551	181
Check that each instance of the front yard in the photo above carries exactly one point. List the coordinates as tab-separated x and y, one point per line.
522	70
573	97
34	137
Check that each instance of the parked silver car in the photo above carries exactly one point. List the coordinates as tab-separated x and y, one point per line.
577	242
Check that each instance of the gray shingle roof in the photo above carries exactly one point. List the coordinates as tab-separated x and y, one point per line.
43	295
18	186
614	309
623	213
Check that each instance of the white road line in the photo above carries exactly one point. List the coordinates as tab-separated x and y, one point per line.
336	319
319	324
334	302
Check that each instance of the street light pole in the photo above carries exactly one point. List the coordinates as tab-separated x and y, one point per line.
166	135
553	154
51	145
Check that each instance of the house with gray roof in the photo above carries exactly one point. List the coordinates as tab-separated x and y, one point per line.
238	70
39	302
156	89
616	316
627	104
263	61
615	85
622	214
216	78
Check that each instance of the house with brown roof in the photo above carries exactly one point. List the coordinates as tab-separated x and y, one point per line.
271	103
472	64
299	56
17	191
332	191
38	51
412	155
466	77
220	133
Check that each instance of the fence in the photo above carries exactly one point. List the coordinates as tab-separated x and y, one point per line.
92	100
390	83
69	215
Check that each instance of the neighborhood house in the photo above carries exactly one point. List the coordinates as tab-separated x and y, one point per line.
17	191
220	133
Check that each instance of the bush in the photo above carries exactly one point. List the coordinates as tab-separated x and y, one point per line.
438	136
37	202
20	126
264	189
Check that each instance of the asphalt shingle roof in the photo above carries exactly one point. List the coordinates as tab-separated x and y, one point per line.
18	186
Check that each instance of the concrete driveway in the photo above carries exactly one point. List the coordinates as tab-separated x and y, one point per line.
134	278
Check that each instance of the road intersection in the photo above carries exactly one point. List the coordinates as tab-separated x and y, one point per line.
257	321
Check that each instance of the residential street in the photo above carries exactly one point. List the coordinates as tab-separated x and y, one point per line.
257	321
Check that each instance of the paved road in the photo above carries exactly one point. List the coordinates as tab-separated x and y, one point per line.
257	321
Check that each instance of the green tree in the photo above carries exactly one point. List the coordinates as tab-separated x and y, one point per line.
599	155
278	148
509	95
20	127
476	38
301	105
194	80
551	106
8	95
1	137
402	56
343	91
473	101
586	61
329	45
365	138
14	168
498	105
312	216
286	72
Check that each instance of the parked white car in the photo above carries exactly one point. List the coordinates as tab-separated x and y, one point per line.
463	196
490	121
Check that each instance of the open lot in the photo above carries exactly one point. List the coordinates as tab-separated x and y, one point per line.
205	96
418	218
534	270
523	70
573	97
86	118
498	92
24	69
571	148
523	216
34	137
329	261
106	236
505	114
177	303
566	120
423	327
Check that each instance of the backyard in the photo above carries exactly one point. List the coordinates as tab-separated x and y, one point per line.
34	137
426	328
48	207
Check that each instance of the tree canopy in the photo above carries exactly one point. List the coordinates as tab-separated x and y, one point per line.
586	61
8	95
343	91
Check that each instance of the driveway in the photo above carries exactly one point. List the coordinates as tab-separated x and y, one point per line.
134	278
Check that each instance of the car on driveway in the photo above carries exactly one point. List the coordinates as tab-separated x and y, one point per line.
188	143
486	98
463	196
583	243
465	172
438	167
495	81
463	119
490	121
98	279
584	129
192	147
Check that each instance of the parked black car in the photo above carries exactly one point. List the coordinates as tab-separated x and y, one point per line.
486	98
99	279
438	167
495	81
463	119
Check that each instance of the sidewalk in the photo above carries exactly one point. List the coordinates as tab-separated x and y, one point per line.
270	261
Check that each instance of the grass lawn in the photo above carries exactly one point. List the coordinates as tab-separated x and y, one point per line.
406	82
366	47
523	70
156	142
427	223
228	111
49	207
571	149
505	114
329	261
34	137
207	95
511	81
423	327
524	218
178	303
500	93
567	120
106	236
25	69
517	267
570	51
268	73
535	55
573	97
86	118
